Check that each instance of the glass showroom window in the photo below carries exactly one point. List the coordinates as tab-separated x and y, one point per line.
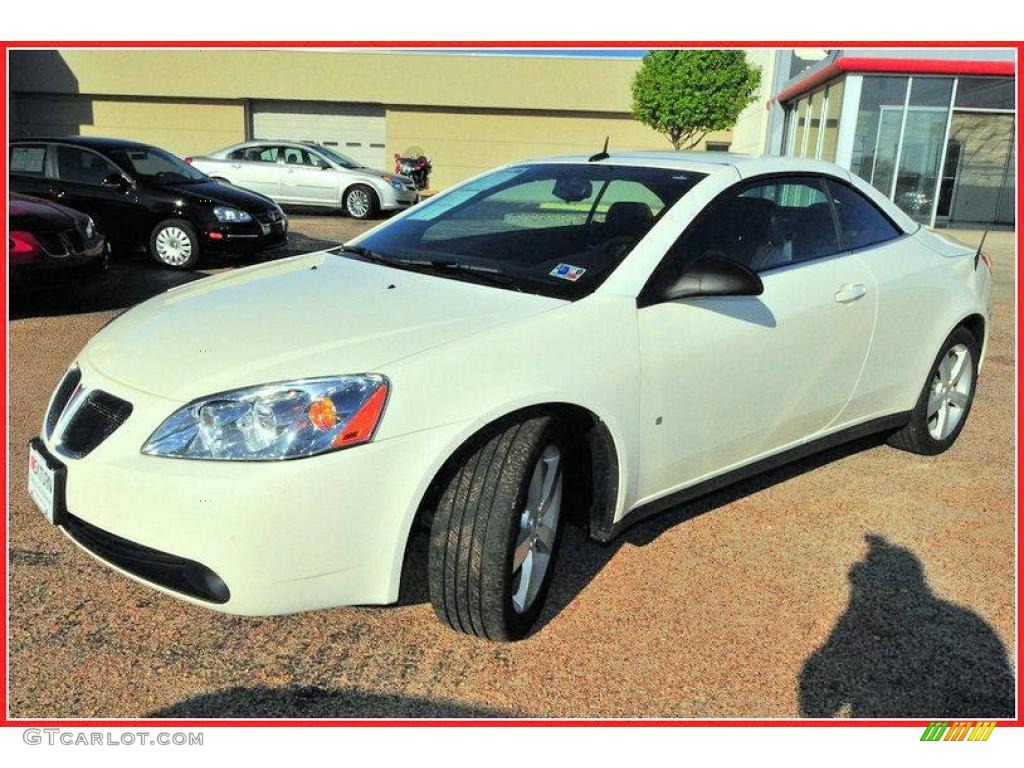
830	124
812	123
876	136
920	152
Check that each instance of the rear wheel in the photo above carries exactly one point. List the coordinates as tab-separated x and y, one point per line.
496	531
942	408
361	202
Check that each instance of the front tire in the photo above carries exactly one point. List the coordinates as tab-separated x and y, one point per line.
945	402
497	529
361	202
174	244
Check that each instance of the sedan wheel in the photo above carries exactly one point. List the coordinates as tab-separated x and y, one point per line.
174	244
943	405
497	527
361	202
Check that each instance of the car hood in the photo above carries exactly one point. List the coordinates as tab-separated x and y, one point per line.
213	192
314	315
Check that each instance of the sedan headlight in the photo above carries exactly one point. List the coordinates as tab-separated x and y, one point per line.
288	420
226	213
90	229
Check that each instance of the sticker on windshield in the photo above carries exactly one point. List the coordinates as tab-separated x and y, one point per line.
567	272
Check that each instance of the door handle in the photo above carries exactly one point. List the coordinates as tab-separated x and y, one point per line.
850	292
236	165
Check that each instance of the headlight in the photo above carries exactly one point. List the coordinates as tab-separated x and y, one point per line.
228	214
288	420
90	229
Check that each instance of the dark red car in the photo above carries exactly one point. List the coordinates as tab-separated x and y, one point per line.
49	243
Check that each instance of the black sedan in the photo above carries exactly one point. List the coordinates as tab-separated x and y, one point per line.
48	244
143	196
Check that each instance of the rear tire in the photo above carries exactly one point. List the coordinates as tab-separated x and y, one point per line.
945	401
497	530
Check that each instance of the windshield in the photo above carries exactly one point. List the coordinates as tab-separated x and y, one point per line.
553	229
154	166
337	158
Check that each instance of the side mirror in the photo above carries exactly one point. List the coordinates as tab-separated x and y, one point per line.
712	276
116	181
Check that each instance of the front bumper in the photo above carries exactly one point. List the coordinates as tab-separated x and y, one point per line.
55	271
395	199
282	536
248	236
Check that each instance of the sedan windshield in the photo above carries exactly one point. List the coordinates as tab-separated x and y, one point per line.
154	166
337	158
555	229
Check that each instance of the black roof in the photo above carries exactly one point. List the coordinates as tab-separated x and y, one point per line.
100	143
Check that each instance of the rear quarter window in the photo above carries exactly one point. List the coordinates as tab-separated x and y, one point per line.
861	223
28	160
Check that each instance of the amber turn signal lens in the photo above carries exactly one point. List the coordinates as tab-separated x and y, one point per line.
360	428
322	414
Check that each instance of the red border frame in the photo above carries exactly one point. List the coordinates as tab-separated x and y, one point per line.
866	64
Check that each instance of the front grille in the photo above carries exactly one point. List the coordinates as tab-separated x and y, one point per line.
60	398
169	571
93	422
269	216
68	242
52	243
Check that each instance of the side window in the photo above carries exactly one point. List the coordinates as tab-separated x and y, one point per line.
28	159
765	225
296	156
80	166
255	154
861	223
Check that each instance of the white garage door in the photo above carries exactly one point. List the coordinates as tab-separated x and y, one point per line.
355	130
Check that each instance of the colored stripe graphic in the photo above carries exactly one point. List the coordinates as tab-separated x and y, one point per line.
959	730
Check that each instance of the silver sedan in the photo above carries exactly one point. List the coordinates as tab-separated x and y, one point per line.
298	173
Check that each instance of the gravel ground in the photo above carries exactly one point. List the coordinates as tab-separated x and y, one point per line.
865	582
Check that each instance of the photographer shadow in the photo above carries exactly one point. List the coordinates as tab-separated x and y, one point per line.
901	651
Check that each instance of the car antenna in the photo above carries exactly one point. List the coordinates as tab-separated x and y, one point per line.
602	155
981	245
995	216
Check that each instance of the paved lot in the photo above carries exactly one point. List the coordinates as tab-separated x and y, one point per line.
865	582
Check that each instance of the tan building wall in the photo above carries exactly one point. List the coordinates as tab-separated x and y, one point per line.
468	112
462	143
751	129
182	127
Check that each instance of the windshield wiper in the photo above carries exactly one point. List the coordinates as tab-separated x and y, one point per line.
368	255
491	275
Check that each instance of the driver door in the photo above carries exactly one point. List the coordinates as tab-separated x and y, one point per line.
728	380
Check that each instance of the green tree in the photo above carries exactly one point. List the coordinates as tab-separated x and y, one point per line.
688	94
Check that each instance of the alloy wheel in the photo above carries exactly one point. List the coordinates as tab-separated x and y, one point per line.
358	203
950	392
538	527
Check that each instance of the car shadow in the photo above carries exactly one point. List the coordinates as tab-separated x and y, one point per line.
899	650
315	702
